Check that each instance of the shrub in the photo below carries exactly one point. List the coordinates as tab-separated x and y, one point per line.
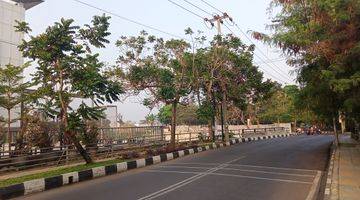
90	134
39	133
130	155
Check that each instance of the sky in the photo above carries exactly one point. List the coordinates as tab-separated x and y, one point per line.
164	15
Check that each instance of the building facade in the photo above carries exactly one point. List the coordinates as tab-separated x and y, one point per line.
9	39
10	11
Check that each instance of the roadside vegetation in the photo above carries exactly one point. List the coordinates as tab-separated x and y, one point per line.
56	172
321	40
197	80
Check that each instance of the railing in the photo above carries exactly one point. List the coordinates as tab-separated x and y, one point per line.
113	142
41	157
239	133
137	135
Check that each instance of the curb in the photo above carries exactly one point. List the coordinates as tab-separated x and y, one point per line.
43	184
331	184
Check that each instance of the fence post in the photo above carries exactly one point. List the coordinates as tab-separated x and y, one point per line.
162	134
66	155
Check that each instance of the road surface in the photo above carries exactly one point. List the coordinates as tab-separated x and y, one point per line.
279	169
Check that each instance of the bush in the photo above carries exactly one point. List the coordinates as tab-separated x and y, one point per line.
89	137
130	154
39	133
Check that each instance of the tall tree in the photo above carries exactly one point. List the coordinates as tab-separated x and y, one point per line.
67	69
322	37
229	77
12	93
160	68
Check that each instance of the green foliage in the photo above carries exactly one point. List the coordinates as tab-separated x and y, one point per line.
12	88
67	70
205	111
89	136
165	114
12	92
165	73
322	40
286	104
150	119
186	115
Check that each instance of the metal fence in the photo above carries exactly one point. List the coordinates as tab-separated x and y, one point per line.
112	143
137	135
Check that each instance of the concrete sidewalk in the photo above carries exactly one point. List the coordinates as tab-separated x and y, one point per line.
344	171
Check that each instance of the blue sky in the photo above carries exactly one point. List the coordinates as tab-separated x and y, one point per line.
248	14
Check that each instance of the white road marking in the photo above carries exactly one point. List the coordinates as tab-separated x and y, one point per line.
186	181
233	175
262	178
315	186
243	170
253	166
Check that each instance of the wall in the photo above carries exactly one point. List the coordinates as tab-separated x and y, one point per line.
9	39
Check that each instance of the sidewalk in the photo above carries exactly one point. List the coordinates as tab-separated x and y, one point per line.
344	171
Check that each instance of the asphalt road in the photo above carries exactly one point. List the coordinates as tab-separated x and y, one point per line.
279	169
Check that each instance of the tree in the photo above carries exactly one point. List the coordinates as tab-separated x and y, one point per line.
160	68
187	115
229	77
165	114
12	92
150	119
67	69
322	37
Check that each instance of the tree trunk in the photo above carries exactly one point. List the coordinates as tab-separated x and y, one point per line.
335	132
81	150
171	146
64	121
222	122
211	130
213	118
8	129
71	136
224	117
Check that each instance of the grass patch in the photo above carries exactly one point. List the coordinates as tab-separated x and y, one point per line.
56	172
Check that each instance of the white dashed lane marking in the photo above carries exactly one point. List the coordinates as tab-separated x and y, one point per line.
187	181
308	178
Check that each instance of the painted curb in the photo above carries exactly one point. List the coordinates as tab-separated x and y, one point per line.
43	184
330	182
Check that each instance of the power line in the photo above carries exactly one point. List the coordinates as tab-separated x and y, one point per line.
129	20
185	9
219	19
265	70
207	3
272	61
276	78
261	52
198	7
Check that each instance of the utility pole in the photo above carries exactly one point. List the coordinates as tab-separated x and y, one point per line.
219	20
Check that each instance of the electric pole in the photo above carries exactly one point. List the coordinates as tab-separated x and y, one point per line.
219	20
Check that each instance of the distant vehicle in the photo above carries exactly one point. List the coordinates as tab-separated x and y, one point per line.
313	130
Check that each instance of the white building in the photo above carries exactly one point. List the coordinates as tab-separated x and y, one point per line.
11	10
